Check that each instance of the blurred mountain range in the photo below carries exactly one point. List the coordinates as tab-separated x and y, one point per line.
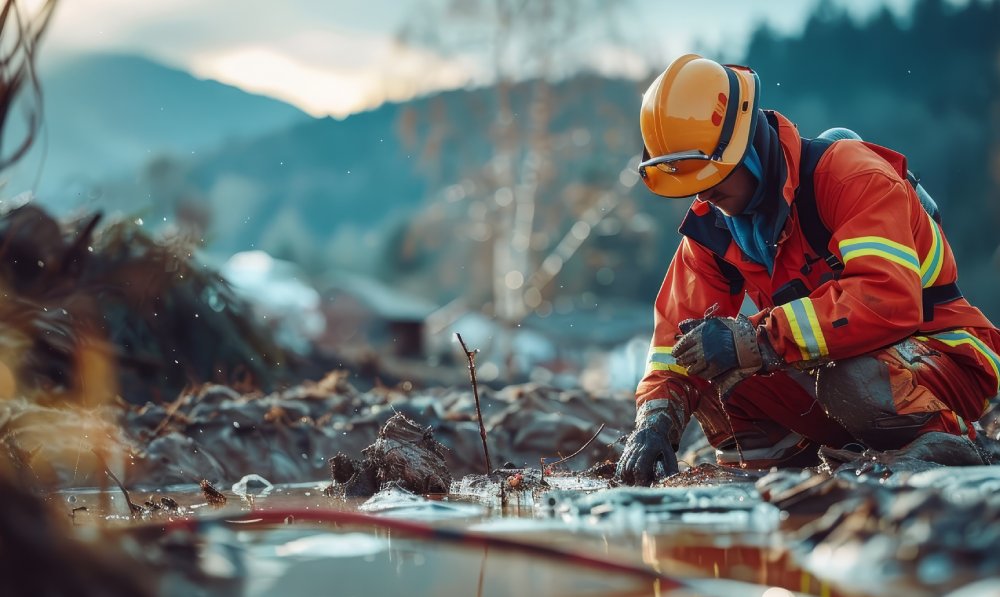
107	115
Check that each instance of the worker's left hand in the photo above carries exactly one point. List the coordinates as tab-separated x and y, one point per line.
722	350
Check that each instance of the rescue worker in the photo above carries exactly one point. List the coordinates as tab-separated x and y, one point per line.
865	342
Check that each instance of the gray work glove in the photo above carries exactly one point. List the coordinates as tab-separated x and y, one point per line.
724	351
647	445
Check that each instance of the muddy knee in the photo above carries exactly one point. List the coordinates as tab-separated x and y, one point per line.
857	393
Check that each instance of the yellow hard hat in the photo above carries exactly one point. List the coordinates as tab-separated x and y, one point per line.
697	120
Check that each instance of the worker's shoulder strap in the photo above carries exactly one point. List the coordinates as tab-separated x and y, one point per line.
731	273
818	235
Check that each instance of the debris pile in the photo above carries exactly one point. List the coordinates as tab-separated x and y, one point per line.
931	532
404	454
90	313
217	433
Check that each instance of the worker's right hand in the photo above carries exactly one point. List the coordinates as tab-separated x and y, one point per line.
648	444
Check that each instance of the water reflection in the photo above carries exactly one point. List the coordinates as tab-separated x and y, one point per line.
293	555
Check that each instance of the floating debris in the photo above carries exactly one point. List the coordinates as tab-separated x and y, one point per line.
213	495
262	485
397	502
730	507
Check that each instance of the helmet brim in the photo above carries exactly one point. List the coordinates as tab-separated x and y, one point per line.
703	175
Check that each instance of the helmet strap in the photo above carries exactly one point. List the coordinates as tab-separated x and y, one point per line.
732	108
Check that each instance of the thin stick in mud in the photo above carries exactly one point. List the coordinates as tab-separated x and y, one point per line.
581	449
475	392
132	507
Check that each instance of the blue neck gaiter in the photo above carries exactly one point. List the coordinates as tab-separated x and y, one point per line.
753	229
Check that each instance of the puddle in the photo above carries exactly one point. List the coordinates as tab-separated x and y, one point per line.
461	546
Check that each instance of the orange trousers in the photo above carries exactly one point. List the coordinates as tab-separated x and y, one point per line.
883	400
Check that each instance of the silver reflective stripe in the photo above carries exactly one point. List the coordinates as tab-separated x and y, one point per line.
775	452
647	407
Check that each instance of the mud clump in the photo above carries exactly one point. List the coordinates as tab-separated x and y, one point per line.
404	453
711	474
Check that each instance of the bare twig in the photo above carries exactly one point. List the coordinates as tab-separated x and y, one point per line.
582	448
132	507
471	355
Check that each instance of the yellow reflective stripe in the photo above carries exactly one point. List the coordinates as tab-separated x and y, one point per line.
930	269
806	329
793	324
661	359
959	337
816	329
877	246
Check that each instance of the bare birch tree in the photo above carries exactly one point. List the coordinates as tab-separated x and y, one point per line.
525	46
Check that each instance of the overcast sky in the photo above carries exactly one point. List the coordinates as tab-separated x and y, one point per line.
340	56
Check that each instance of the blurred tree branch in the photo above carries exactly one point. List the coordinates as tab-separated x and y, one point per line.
528	214
19	37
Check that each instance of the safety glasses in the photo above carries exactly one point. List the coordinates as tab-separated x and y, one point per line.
666	162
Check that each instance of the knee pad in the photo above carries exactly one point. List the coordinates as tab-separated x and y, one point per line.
857	393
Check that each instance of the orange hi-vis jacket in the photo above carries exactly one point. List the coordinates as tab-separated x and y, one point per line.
891	250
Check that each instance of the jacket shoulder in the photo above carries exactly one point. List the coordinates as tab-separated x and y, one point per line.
847	158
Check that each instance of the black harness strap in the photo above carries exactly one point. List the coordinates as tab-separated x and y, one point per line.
732	274
939	295
817	234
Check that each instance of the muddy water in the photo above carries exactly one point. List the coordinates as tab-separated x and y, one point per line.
306	558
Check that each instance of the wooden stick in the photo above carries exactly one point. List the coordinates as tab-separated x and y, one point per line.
133	509
471	355
582	448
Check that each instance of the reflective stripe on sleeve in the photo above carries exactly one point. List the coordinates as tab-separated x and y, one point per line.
662	359
959	337
876	246
931	267
805	328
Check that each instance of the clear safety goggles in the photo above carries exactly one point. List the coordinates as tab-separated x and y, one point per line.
667	163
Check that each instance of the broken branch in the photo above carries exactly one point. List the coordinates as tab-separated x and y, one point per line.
132	507
471	356
582	448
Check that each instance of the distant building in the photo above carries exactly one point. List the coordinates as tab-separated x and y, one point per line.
364	312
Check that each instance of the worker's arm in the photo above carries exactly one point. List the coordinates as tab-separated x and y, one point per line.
666	396
877	300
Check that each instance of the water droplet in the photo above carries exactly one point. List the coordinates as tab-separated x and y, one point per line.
71	499
236	424
212	299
